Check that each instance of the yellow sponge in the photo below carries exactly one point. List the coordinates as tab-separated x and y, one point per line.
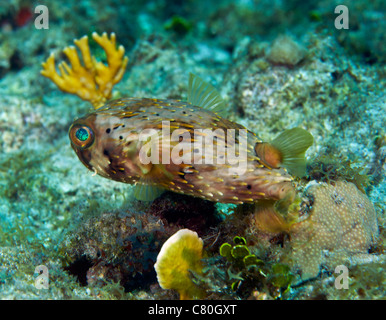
179	255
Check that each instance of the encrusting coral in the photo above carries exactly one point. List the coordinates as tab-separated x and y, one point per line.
92	81
286	51
342	224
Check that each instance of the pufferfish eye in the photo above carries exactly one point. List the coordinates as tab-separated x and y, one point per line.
82	136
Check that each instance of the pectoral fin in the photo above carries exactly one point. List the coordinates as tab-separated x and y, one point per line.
147	192
268	219
148	187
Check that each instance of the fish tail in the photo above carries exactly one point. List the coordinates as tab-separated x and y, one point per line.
286	150
292	145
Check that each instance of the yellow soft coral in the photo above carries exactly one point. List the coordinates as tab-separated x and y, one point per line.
179	255
92	81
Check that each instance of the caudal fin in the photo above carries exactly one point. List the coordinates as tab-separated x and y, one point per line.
292	145
287	150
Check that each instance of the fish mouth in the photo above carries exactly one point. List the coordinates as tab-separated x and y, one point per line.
84	156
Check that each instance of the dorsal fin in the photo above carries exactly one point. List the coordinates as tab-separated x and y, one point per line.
204	95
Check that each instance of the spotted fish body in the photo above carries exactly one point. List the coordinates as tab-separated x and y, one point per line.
111	148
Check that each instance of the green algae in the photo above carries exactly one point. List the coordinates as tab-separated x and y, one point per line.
328	168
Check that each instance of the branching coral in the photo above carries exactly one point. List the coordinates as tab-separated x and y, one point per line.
92	81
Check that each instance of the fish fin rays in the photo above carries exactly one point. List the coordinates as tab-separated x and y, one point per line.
204	95
148	187
147	192
268	219
293	144
287	150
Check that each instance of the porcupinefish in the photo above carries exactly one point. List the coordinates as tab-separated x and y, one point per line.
229	168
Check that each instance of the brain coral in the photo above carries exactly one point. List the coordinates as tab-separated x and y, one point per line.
342	223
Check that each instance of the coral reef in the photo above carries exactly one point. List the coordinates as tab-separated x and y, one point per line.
54	213
272	98
115	247
366	39
122	246
94	81
328	169
285	51
180	211
331	224
342	223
